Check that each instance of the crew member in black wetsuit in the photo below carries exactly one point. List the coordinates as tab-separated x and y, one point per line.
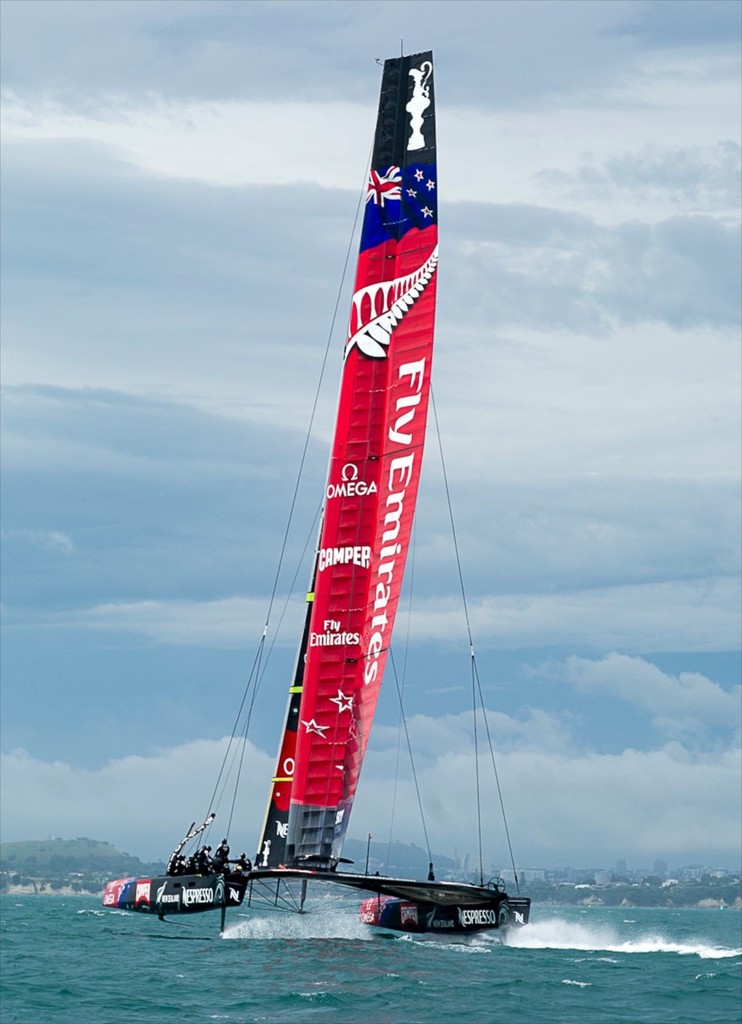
203	861
244	864
221	857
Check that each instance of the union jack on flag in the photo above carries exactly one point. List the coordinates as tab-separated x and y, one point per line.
384	186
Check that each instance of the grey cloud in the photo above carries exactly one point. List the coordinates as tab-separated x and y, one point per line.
93	230
44	797
684	705
155	496
704	179
557	270
556	802
601	531
488	54
684	22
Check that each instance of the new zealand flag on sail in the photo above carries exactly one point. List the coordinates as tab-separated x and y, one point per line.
398	199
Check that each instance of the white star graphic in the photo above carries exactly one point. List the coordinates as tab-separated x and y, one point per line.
344	703
311	726
427	212
419	174
430	184
412	192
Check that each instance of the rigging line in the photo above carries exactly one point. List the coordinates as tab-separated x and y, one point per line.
468	624
252	675
239	771
232	753
315	404
292	507
476	770
359	205
450	516
412	760
411	577
248	718
300	561
475	671
497	778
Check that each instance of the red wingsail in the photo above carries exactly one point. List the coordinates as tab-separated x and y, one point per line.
375	462
374	466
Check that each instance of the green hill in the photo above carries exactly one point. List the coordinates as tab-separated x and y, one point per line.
395	858
48	858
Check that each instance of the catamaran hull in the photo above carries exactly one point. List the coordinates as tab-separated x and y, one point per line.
415	916
175	894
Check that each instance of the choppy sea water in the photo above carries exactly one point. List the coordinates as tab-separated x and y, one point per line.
69	961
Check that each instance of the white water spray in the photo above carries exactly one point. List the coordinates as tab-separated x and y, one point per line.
332	922
559	934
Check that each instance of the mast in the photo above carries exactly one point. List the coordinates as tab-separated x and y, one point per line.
373	476
272	845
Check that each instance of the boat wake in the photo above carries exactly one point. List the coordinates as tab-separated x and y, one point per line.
327	923
558	934
474	943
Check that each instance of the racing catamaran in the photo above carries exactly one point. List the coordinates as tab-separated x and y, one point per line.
356	580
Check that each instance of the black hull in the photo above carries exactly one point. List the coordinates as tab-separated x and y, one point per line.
416	916
399	904
175	894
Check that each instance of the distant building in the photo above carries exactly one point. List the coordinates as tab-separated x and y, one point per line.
524	875
693	872
660	869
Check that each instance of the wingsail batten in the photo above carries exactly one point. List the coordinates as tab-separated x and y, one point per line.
374	466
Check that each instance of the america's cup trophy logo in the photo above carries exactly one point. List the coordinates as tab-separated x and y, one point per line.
419	103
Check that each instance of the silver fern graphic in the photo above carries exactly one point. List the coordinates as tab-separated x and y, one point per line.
378	308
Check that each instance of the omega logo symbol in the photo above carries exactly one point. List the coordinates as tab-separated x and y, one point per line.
350	486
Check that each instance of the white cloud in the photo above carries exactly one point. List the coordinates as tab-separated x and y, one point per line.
697	178
52	540
221	143
563	805
229	621
681	703
699	615
142	804
431	735
642	401
486	156
661	803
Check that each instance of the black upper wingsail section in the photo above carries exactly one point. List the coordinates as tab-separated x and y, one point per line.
400	139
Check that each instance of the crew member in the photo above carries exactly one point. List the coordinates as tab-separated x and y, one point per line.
221	857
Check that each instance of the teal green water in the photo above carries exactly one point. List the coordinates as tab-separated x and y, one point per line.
69	961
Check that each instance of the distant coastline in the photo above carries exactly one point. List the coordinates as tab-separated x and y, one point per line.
81	867
35	890
707	903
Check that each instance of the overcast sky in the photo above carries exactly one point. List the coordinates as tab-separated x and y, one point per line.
179	186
